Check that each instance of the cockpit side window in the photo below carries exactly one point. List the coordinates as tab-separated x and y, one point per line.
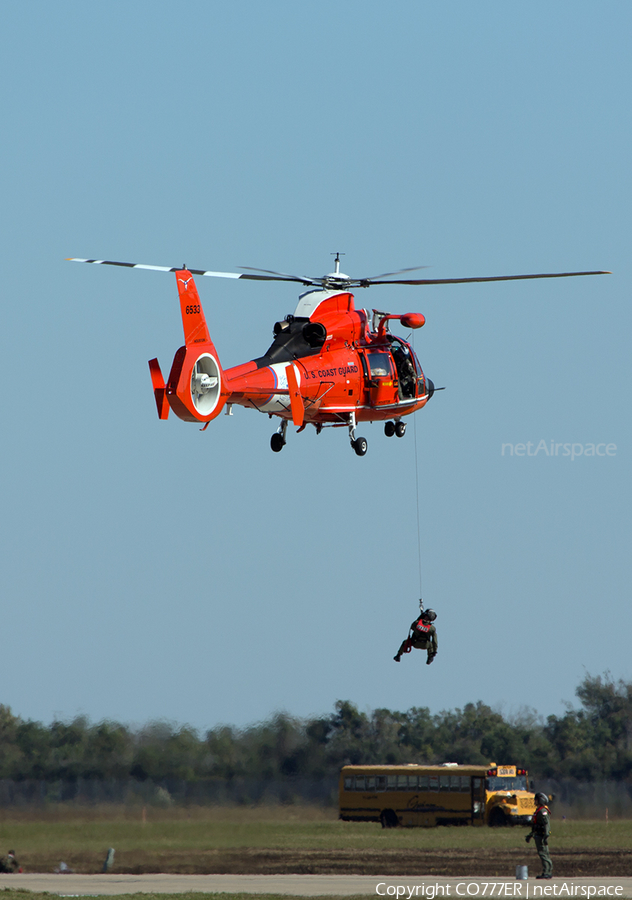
379	365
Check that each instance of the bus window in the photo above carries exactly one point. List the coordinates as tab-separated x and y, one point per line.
423	782
498	783
412	782
465	783
359	783
348	784
455	782
380	782
370	782
402	782
392	782
444	782
433	783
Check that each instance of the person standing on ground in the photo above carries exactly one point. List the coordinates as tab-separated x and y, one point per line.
540	831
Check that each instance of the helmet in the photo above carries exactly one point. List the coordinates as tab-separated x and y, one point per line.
541	799
429	615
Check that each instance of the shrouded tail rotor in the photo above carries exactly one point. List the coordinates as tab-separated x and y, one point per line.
206	384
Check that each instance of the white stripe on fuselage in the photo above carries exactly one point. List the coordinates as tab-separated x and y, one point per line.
280	402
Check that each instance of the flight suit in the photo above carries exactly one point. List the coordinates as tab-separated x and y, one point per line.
423	636
9	864
541	829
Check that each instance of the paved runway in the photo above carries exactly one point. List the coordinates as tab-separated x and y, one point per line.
320	885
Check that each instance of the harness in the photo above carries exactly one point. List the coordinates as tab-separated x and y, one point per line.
537	826
419	630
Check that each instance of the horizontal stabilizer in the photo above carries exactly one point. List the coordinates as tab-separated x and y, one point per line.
159	389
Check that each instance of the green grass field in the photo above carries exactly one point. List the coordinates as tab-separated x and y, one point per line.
64	834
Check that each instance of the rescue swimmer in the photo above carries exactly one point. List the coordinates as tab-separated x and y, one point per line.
422	635
540	832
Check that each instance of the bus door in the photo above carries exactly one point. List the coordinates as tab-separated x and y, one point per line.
478	800
380	377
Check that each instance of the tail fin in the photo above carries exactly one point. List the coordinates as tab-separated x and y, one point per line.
195	390
193	321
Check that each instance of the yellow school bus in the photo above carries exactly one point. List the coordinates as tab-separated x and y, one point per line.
448	794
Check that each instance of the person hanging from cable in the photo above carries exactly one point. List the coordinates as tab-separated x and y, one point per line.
422	635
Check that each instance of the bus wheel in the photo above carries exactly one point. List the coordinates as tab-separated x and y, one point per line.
388	819
497	818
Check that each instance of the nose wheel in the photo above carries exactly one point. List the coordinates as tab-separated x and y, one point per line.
400	429
277	441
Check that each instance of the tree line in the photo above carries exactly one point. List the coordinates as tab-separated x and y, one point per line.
590	743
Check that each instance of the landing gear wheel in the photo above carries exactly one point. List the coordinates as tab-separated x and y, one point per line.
497	818
360	445
400	429
388	819
277	442
389	429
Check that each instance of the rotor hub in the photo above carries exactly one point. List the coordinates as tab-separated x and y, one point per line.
336	280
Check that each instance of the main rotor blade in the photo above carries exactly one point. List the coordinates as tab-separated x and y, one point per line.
488	278
271	277
293	278
280	276
350	282
388	274
110	262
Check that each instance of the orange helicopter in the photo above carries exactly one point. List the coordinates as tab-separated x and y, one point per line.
329	364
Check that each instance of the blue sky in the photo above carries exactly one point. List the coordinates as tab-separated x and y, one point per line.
151	571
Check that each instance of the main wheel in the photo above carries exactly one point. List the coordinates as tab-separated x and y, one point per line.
388	819
389	429
497	818
400	429
360	445
276	442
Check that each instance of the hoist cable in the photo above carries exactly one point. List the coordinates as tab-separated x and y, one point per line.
417	492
